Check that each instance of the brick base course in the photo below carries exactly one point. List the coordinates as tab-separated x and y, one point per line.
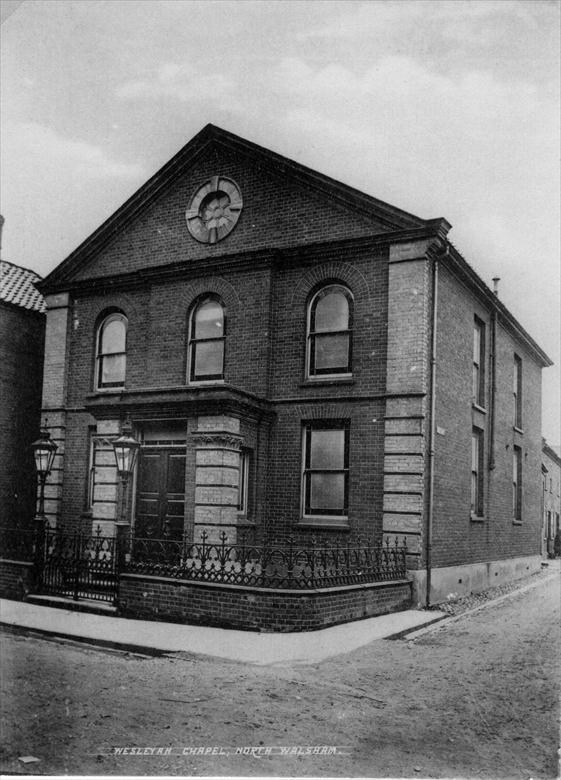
16	579
257	609
233	606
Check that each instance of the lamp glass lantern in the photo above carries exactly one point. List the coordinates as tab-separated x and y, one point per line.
44	451
125	448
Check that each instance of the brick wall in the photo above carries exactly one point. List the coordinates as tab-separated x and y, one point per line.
22	336
457	537
265	354
551	482
365	470
237	607
157	336
16	579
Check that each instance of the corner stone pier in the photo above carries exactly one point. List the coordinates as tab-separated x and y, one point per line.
217	458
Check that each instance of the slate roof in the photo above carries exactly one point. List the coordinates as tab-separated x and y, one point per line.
17	286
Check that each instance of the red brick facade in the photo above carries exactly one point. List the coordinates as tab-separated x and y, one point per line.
264	610
22	334
298	231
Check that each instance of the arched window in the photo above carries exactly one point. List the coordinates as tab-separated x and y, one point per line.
111	352
330	318
206	341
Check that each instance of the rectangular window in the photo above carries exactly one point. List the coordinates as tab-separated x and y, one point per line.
517	392
102	475
477	472
517	485
478	388
326	469
243	493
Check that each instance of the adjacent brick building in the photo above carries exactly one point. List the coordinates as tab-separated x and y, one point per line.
22	334
297	358
551	503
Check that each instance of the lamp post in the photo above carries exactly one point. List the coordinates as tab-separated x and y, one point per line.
44	451
125	448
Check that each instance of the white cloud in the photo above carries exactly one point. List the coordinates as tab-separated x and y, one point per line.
448	17
56	191
29	143
184	83
476	134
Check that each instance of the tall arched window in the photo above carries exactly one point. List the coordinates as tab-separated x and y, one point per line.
206	341
330	320
111	352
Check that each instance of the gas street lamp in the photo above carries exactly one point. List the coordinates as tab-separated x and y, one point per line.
44	451
126	449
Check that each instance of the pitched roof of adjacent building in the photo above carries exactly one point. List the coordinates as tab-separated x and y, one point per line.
17	286
552	452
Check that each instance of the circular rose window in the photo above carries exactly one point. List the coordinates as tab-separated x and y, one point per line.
214	210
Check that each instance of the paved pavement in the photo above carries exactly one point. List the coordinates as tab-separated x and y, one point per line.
158	638
154	637
476	697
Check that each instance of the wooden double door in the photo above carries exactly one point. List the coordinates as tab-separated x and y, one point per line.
160	493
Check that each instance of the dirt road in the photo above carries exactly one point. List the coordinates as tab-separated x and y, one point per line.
475	698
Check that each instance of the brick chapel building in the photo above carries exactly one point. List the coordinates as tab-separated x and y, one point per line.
296	358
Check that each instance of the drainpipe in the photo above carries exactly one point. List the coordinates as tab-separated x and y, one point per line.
492	396
493	389
432	439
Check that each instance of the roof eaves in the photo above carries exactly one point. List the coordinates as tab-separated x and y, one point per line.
477	284
550	452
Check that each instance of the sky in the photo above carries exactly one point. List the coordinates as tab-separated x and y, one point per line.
444	109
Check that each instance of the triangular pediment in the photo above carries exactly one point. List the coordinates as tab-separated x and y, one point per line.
275	204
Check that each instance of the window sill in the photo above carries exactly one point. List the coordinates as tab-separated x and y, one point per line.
347	379
119	389
325	523
205	382
517	522
517	429
477	518
479	408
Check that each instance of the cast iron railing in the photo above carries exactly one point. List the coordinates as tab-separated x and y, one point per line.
79	565
268	566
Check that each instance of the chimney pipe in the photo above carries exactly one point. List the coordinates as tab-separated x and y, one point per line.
496	280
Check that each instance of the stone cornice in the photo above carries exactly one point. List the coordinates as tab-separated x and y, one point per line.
163	402
302	254
219	438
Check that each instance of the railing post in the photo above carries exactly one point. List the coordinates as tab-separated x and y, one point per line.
39	551
122	552
313	562
77	560
290	566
